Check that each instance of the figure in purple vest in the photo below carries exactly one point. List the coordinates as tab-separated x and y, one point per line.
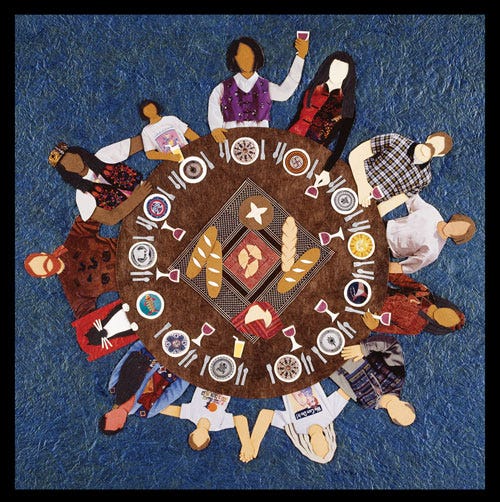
245	99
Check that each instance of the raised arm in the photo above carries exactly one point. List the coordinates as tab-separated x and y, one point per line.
247	450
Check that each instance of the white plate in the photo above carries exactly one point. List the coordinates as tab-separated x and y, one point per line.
288	368
344	200
222	368
296	161
150	304
156	207
357	292
142	255
330	341
193	169
245	150
175	343
361	245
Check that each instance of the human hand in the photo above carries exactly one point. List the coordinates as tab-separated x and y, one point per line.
322	179
142	190
395	268
370	321
302	47
218	135
364	194
352	352
247	453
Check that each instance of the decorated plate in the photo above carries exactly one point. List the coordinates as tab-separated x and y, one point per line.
245	150
175	343
361	245
288	368
156	207
344	200
296	161
193	169
142	255
357	292
222	368
330	341
150	304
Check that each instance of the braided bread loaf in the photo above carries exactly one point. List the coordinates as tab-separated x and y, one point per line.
288	244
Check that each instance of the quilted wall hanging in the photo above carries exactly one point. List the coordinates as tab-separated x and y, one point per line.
197	169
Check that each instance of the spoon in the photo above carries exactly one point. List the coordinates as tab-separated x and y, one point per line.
318	353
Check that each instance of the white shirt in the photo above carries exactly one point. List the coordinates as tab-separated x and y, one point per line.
209	405
415	237
309	407
165	133
280	92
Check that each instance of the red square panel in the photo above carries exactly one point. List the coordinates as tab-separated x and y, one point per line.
251	259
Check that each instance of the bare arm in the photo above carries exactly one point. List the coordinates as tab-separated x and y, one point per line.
135	145
388	205
172	410
247	451
357	159
260	428
191	135
115	215
156	155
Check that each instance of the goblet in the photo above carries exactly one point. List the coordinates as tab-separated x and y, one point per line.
178	233
377	193
173	275
325	237
384	317
290	332
206	330
322	307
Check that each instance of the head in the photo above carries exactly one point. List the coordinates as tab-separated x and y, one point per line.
244	54
401	412
43	265
149	108
441	143
338	65
199	439
460	228
73	162
318	445
113	421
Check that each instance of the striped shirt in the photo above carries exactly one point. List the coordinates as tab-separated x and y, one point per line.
392	166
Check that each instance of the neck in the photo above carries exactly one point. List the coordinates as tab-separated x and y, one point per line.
247	74
386	399
441	230
333	85
154	119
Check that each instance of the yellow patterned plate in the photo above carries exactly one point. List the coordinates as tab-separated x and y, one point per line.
361	245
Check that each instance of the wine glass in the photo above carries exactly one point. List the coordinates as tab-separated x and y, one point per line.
384	317
322	307
325	237
290	332
312	191
206	330
377	193
173	275
178	233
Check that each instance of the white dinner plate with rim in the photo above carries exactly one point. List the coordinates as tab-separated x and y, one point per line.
193	169
245	150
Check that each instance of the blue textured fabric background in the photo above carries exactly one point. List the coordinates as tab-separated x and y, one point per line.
79	79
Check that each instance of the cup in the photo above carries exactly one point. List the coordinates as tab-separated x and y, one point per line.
177	150
239	345
303	35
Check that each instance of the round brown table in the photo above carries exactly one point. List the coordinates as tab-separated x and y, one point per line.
216	201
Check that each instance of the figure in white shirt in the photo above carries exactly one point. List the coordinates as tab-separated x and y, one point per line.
420	236
164	135
245	99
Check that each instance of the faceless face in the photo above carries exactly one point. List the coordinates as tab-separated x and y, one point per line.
245	58
338	71
400	412
456	228
319	443
438	143
115	419
73	163
150	111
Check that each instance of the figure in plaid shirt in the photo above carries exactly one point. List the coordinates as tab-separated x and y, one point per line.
398	165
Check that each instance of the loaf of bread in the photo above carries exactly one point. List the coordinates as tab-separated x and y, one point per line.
288	243
201	251
214	270
299	270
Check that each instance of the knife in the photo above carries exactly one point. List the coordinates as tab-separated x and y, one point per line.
310	172
146	272
238	375
362	276
358	229
186	357
344	329
270	371
304	362
165	327
210	164
335	186
205	362
176	185
318	353
361	263
280	156
354	311
144	238
262	153
275	153
147	221
226	146
179	179
149	227
349	217
221	151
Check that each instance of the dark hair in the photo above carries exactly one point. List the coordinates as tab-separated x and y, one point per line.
74	179
233	49
102	427
146	102
348	85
